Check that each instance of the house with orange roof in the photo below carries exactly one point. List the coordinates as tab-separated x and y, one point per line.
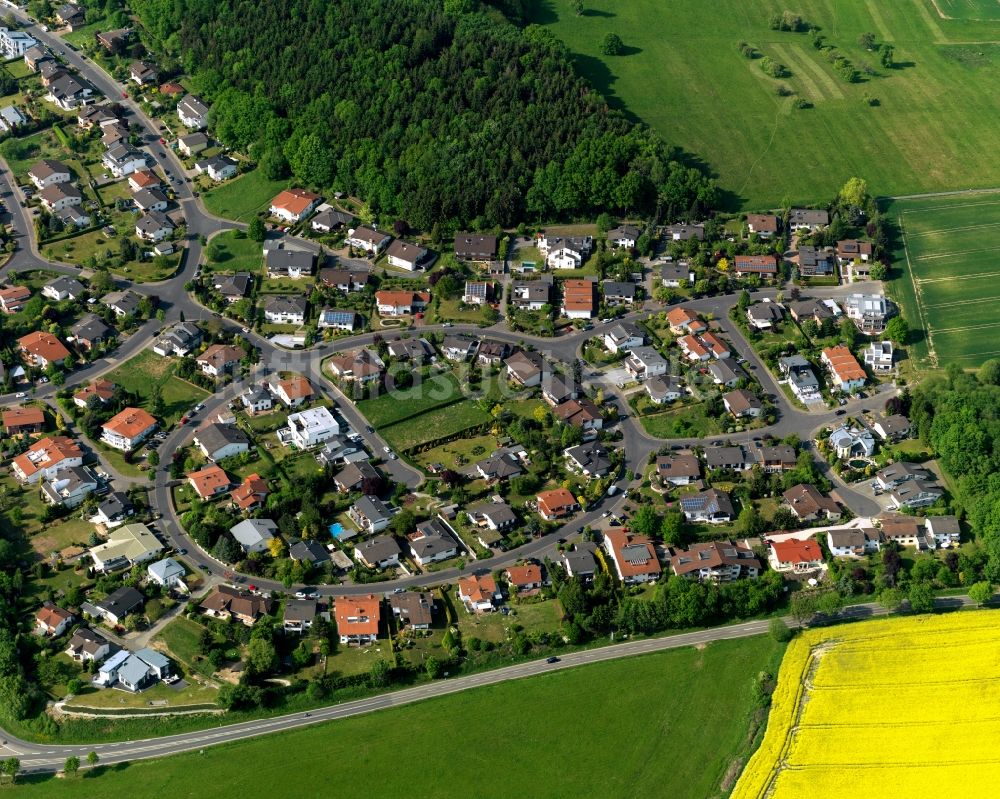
104	390
41	348
127	429
220	359
250	494
13	298
293	391
762	265
21	421
46	458
633	555
795	556
52	620
693	349
358	618
401	303
525	580
294	205
556	503
144	179
210	481
579	299
846	373
479	593
716	346
682	320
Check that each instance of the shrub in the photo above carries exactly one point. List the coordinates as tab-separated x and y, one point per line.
612	44
773	68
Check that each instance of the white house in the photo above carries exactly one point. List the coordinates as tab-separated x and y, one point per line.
15	43
193	113
564	258
126	430
311	427
623	336
121	160
645	362
285	310
253	534
167	572
154	226
879	356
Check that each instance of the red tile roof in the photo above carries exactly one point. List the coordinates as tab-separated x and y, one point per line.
358	615
795	551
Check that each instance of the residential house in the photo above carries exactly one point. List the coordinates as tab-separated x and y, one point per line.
802	379
814	262
254	535
531	295
285	309
300	614
150	200
220	359
13	298
901	472
678	469
219	441
662	390
479	593
498	466
477	292
694	349
560	389
369	239
618	293
405	255
294	205
878	356
127	429
44	459
804	310
122	160
114	41
218	168
807	219
682	232
193	143
293	391
401	303
590	459
906	531
41	348
579	300
290	263
623	237
90	332
113	510
142	73
86	645
726	372
209	481
892	428
256	399
126	545
852	442
846	374
850	251
712	506
370	514
120	604
379	552
193	113
774	458
683	320
580	562
123	303
144	179
765	266
415	350
358	618
356	476
310	427
633	556
715	562
345	280
868	312
581	244
727	458
24	420
235	287
63	288
644	363
623	336
795	556
311	552
564	258
763	225
492	518
414	608
525	580
850	542
60	196
70	487
492	353
328	219
674	275
433	541
154	226
35	56
717	347
251	494
764	315
332	319
946	530
363	366
52	620
167	573
809	505
527	368
556	504
244	606
742	404
475	246
915	494
582	413
181	339
458	348
47	173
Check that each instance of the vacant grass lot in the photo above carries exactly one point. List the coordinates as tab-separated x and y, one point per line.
675	732
394	406
683	74
235	253
146	370
434	424
947	264
243	196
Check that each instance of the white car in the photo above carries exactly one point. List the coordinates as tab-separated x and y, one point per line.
20	395
386	450
246	329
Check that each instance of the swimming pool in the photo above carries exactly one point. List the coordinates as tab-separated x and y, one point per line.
336	529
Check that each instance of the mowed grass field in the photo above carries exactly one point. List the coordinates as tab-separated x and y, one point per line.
395	406
671	724
243	196
146	370
901	707
935	127
433	424
948	283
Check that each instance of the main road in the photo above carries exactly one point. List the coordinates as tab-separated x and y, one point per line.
43	757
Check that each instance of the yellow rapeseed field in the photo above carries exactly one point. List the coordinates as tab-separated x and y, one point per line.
900	708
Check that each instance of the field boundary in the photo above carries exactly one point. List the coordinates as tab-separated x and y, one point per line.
916	293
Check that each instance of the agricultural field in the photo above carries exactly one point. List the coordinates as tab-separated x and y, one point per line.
682	743
682	73
902	707
950	260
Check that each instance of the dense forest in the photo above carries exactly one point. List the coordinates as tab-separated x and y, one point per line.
430	111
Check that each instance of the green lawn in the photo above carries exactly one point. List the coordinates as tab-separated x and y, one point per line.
434	424
453	311
457	454
244	196
181	638
395	406
944	276
236	253
678	730
85	35
682	73
147	369
535	616
684	422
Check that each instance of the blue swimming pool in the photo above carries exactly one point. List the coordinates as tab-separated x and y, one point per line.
336	529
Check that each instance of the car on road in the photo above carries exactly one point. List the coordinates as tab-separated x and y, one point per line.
20	395
840	412
162	140
200	406
125	95
369	428
446	324
392	456
245	330
386	450
305	593
182	551
552	659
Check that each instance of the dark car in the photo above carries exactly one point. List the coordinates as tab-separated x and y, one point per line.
552	659
841	412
